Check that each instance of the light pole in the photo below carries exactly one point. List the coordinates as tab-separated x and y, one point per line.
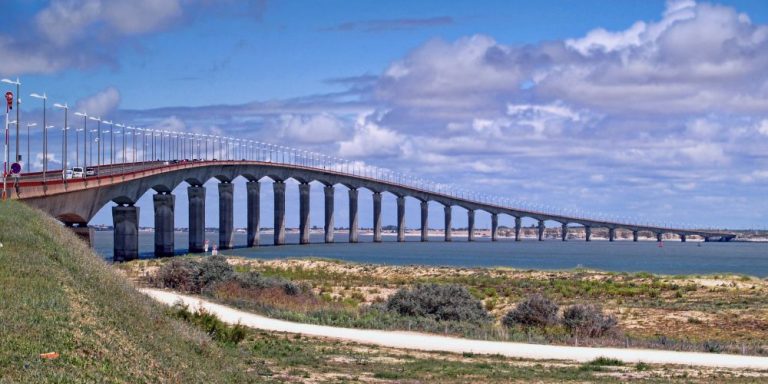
45	133
18	110
64	142
98	146
84	115
104	148
29	162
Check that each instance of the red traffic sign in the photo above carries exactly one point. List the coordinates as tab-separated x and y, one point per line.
9	99
15	168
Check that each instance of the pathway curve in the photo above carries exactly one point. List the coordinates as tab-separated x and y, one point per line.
426	342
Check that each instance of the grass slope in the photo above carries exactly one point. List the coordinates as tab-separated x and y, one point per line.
56	295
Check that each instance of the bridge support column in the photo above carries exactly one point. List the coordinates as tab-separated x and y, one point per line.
424	221
659	237
196	195
470	225
448	223
304	213
494	227
353	215
226	215
541	230
588	233
164	205
328	190
611	234
253	189
707	239
564	232
82	231
401	218
125	219
279	191
377	217
518	226
635	235
682	238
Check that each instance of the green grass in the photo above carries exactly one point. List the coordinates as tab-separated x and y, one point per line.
58	296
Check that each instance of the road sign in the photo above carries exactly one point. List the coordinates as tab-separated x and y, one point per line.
15	168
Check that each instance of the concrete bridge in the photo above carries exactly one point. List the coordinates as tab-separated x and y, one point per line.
75	201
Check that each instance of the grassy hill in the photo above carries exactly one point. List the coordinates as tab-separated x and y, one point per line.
56	295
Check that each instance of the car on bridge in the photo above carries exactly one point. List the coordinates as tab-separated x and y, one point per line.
78	172
91	171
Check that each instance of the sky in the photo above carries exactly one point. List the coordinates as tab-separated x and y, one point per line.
650	110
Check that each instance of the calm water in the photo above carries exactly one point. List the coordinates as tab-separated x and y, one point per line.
619	256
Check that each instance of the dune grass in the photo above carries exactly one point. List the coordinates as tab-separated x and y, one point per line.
56	295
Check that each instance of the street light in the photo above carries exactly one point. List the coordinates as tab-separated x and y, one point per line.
84	115
17	83
43	97
98	146
111	144
65	107
28	161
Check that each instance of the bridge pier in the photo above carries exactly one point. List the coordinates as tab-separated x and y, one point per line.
196	194
448	224
328	228
659	237
226	215
353	215
635	236
83	231
682	238
494	227
564	232
518	226
424	221
253	189
304	213
377	217
541	230
401	218
125	219
279	190
470	225
164	206
707	239
611	234
588	233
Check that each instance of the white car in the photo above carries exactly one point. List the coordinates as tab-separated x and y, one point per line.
67	173
78	172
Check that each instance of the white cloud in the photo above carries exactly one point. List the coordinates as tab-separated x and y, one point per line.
371	140
763	127
319	128
102	103
705	153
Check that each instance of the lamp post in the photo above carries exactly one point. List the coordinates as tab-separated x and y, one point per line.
18	108
45	133
84	115
64	142
28	161
98	146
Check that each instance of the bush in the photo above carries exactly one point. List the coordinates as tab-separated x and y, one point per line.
179	274
215	269
210	324
588	321
447	302
191	276
536	310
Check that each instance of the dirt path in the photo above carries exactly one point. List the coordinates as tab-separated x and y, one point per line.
425	342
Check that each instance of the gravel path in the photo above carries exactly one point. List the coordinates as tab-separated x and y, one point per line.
426	342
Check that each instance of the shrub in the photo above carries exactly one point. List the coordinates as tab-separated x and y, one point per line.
210	324
215	269
179	274
446	302
588	321
536	310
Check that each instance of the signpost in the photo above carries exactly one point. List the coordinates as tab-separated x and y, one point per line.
9	106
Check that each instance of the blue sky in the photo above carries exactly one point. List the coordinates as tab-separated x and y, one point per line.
648	109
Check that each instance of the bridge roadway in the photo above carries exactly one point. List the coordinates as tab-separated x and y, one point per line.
76	201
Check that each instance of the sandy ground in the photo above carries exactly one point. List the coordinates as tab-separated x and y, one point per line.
424	342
